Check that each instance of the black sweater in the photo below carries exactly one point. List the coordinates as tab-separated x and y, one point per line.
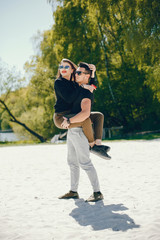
66	93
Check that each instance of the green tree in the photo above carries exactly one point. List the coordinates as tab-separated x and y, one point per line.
121	38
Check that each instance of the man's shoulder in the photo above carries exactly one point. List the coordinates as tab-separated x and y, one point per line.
86	93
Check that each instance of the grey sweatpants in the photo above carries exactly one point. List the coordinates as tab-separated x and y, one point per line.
78	155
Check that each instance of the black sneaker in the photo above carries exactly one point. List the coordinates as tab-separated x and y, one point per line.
106	148
69	195
98	150
96	196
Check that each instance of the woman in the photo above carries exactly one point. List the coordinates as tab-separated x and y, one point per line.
67	90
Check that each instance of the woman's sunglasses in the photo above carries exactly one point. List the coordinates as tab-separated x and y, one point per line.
80	72
65	67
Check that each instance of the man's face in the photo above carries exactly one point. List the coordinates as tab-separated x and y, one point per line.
81	76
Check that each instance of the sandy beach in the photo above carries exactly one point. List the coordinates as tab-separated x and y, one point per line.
32	178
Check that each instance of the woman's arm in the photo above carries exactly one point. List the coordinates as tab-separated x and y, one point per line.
67	94
89	87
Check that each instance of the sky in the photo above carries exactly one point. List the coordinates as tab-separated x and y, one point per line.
20	20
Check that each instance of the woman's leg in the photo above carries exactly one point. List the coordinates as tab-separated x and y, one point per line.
87	129
86	126
97	119
58	119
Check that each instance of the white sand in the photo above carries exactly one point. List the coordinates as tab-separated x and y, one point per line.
32	178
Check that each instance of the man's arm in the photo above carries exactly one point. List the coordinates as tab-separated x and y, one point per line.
93	69
85	111
81	116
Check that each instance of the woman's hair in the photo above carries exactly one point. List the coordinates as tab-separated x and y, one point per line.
73	66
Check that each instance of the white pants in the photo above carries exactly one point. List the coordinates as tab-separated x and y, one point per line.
78	155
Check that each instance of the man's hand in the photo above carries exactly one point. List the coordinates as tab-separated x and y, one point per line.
93	69
64	124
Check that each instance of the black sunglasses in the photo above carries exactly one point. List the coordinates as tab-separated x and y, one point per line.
80	72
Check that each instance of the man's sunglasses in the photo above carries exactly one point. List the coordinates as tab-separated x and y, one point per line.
80	72
65	67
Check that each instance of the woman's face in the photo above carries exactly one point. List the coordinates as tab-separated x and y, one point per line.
65	69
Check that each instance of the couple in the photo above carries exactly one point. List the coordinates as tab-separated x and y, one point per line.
73	112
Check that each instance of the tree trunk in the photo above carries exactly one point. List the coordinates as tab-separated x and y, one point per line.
103	45
13	119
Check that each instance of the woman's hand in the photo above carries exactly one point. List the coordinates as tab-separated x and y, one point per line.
91	88
65	124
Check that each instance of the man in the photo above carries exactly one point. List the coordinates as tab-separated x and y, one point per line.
81	110
78	149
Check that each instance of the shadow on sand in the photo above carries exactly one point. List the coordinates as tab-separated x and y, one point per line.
102	217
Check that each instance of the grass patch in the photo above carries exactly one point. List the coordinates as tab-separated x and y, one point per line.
22	142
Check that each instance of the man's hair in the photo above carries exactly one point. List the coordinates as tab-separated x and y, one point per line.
86	67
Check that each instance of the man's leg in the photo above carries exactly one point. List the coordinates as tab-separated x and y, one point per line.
74	169
82	151
72	162
81	146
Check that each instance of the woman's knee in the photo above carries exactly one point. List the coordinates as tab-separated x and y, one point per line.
58	120
98	116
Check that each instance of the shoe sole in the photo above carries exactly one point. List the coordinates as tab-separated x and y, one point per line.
69	198
104	157
93	200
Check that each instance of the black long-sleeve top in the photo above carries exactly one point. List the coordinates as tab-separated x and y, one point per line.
66	93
